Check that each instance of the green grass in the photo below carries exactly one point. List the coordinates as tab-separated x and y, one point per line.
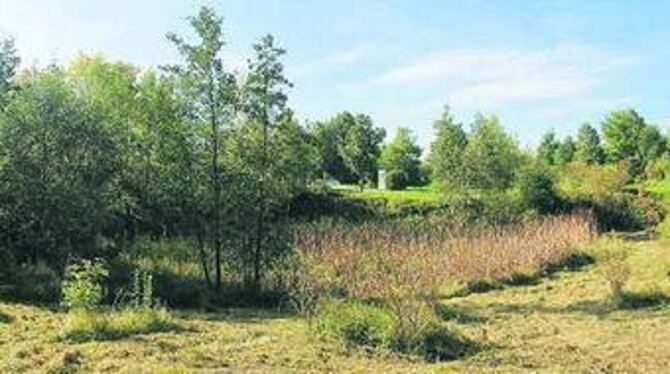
412	195
563	323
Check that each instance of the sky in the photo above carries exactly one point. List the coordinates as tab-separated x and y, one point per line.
537	65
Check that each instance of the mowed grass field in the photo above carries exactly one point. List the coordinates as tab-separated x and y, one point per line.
563	323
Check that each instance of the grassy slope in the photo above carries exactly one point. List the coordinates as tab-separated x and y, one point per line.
410	195
562	324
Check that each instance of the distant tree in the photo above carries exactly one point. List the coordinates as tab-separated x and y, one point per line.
565	152
492	155
652	144
546	151
403	155
210	89
446	158
330	136
536	186
361	148
628	137
622	131
9	62
588	149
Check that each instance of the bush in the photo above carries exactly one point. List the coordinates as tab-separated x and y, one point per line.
536	186
437	343
612	252
302	284
356	324
82	288
658	169
139	312
396	180
36	283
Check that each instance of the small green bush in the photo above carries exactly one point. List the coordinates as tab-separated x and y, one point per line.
356	324
83	285
396	180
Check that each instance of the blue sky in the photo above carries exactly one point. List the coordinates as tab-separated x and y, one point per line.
536	64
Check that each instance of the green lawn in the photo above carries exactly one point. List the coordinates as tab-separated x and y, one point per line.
421	195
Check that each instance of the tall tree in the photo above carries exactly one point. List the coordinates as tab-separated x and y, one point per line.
264	103
546	151
492	155
211	91
447	152
565	153
58	172
588	149
652	144
628	137
9	62
403	155
362	147
110	89
330	136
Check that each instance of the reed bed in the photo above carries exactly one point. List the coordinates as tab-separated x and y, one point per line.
382	261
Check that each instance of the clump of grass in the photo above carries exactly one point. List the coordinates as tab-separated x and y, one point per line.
355	324
83	293
87	325
358	324
613	254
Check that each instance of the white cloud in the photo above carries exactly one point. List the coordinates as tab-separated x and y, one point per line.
492	78
335	61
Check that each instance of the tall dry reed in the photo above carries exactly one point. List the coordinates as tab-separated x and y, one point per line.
383	261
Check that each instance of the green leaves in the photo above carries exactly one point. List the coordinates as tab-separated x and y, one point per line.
403	155
360	148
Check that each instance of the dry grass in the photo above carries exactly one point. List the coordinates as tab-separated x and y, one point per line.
564	324
378	261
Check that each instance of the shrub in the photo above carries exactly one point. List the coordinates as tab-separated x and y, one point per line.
138	312
396	180
36	283
436	342
356	324
82	288
612	252
536	186
658	169
303	284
